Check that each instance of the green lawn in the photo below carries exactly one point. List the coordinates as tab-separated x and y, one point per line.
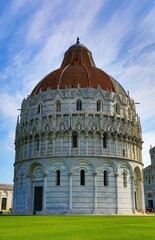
77	227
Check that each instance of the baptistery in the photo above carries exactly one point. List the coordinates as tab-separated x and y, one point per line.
78	143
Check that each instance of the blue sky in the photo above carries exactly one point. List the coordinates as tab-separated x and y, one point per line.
35	34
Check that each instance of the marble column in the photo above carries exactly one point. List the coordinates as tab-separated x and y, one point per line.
28	195
142	197
70	191
86	143
33	147
78	135
121	141
116	145
101	139
131	150
44	193
109	144
39	145
127	147
62	143
15	194
133	194
95	192
117	193
94	143
53	138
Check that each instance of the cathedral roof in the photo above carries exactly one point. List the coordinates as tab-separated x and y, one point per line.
6	187
78	70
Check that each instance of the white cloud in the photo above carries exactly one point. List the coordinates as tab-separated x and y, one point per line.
39	22
51	50
12	10
9	105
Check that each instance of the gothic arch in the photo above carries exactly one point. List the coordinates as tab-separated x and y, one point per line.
58	106
117	98
99	94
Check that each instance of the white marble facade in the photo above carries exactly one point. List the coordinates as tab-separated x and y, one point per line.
149	182
78	143
78	150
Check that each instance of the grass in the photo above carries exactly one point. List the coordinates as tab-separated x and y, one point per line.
77	227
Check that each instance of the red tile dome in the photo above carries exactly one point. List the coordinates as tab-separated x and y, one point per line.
78	69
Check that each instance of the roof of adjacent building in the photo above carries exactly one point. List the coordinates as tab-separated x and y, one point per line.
78	70
6	187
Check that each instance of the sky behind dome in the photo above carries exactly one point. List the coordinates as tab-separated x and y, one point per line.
35	34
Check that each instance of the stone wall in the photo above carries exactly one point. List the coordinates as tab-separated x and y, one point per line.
72	197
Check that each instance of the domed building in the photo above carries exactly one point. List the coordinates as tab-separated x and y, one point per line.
78	143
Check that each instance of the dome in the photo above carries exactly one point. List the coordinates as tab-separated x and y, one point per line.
78	69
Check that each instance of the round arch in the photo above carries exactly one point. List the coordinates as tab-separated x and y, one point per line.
126	165
106	162
33	166
57	161
138	171
83	161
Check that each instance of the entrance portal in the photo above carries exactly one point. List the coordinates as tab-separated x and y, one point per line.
38	198
150	203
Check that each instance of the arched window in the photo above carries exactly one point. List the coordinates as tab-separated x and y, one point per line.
149	181
79	105
37	144
99	105
74	140
124	153
58	106
39	109
105	178
117	108
58	177
104	141
82	177
124	179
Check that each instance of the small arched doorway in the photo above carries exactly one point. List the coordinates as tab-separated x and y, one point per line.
138	190
37	188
